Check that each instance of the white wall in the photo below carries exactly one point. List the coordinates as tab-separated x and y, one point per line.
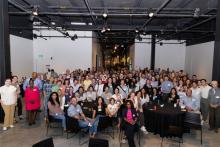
62	53
199	60
167	55
170	55
21	56
142	53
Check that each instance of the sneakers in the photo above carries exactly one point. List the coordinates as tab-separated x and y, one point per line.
12	126
4	128
144	130
123	140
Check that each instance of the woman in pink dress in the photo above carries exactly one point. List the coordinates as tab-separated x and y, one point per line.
32	101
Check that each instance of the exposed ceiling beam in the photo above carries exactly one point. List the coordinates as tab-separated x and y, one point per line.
188	28
155	13
17	5
78	14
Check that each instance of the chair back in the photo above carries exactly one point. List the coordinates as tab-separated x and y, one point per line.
192	118
98	143
44	143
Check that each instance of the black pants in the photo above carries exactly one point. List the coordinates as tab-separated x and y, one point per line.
214	117
129	132
165	97
19	106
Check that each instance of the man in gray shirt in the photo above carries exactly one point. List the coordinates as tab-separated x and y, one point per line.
214	107
75	112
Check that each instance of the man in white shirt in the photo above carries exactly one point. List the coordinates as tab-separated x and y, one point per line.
204	105
196	91
8	100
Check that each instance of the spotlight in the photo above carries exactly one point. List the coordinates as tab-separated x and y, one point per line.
136	30
161	43
104	15
72	38
35	11
108	29
151	14
53	23
103	30
66	34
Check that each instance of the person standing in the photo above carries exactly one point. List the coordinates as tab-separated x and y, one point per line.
32	101
204	99
214	107
8	100
19	97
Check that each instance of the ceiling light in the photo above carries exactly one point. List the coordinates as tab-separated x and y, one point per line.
136	30
151	14
103	30
108	29
35	11
78	23
53	23
104	15
90	24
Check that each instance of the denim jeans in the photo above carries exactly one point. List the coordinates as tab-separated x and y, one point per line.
93	128
45	105
61	117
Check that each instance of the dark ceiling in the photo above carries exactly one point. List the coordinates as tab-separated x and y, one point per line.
190	20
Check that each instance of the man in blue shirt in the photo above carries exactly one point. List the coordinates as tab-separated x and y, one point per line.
75	112
166	87
37	82
191	103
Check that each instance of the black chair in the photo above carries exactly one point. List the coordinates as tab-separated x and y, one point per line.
44	143
104	124
193	121
98	143
52	122
174	131
72	126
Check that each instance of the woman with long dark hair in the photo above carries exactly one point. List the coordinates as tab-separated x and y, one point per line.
55	109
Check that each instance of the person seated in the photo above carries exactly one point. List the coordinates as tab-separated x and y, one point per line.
129	116
75	112
80	94
118	97
65	100
190	103
174	97
90	94
112	108
155	97
55	109
99	111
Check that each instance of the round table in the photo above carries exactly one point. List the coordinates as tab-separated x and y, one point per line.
158	120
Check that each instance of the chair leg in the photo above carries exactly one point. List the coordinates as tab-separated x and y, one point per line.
201	135
47	129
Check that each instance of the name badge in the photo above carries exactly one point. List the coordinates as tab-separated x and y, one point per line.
99	109
133	115
77	110
168	84
193	100
34	89
217	97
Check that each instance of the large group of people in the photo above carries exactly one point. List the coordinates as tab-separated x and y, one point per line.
118	94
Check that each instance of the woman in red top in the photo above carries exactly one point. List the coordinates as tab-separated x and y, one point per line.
32	101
